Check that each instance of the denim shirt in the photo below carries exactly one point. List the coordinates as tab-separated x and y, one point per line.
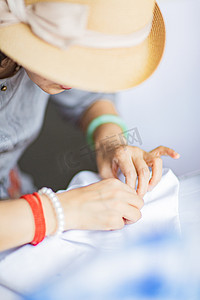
22	110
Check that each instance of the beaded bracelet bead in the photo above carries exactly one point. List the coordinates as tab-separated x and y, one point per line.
57	207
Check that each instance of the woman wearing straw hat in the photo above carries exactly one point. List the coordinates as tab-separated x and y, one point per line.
48	47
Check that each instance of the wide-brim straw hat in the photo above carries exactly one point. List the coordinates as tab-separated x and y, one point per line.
113	68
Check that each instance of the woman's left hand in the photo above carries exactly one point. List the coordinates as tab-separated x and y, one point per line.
112	153
134	163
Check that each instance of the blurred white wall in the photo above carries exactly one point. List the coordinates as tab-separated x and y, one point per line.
166	108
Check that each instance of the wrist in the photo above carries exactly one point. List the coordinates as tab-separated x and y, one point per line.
49	215
70	204
105	132
108	131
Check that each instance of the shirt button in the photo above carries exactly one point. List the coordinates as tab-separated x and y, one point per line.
3	88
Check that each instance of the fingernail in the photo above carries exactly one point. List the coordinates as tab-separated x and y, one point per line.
177	155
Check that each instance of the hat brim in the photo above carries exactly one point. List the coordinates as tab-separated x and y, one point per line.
97	70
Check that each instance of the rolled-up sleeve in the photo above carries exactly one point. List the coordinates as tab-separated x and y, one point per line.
73	103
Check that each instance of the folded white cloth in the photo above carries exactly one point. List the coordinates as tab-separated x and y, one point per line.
28	267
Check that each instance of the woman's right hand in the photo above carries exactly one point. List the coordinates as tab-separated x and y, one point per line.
105	205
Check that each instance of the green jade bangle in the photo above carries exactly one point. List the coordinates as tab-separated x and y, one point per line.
103	119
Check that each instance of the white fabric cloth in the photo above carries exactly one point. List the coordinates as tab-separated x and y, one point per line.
28	267
62	24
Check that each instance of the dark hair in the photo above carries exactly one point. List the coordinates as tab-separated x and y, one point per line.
10	67
2	56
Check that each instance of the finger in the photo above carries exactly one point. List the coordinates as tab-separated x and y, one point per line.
132	214
116	187
136	201
115	168
124	198
124	161
162	150
143	176
114	221
127	222
156	167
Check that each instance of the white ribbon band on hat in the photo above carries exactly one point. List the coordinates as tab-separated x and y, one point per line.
62	24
